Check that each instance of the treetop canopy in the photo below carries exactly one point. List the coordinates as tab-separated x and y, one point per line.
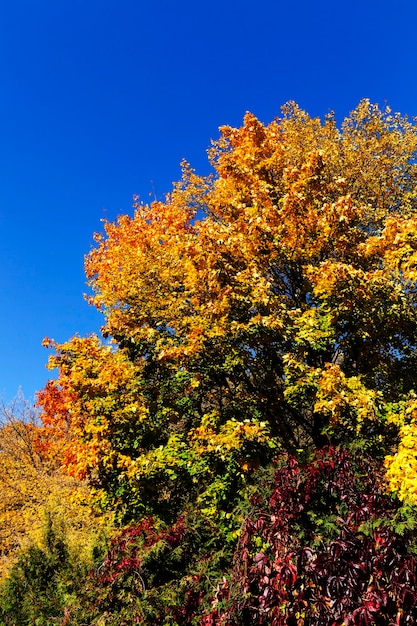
270	304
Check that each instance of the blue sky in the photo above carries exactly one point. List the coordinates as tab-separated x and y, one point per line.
100	98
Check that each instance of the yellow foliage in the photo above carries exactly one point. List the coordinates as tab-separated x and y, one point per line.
346	400
33	492
402	466
280	291
231	436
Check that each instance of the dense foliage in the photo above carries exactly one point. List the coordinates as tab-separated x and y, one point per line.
321	544
273	303
266	312
327	549
44	580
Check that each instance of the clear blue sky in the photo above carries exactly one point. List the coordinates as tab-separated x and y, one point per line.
100	98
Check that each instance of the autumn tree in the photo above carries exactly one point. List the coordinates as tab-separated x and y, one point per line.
270	304
20	474
35	495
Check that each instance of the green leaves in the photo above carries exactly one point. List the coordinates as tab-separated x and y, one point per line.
272	304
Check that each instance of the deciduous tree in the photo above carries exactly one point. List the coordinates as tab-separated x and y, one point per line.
273	303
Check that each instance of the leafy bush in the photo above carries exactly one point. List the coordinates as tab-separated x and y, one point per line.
153	574
43	583
321	544
324	551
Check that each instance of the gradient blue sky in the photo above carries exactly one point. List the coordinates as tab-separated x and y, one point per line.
100	98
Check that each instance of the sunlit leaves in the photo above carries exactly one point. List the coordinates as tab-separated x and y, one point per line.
402	466
277	296
321	551
35	493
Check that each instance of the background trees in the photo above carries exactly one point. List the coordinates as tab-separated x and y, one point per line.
49	535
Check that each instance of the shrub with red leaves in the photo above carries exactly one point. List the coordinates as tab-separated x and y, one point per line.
322	552
322	544
141	558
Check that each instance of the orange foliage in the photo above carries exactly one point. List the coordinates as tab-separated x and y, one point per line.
281	290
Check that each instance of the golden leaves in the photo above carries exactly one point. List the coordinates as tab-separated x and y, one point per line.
96	385
345	400
233	435
402	466
33	489
283	286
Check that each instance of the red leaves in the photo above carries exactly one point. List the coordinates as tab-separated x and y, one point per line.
350	579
